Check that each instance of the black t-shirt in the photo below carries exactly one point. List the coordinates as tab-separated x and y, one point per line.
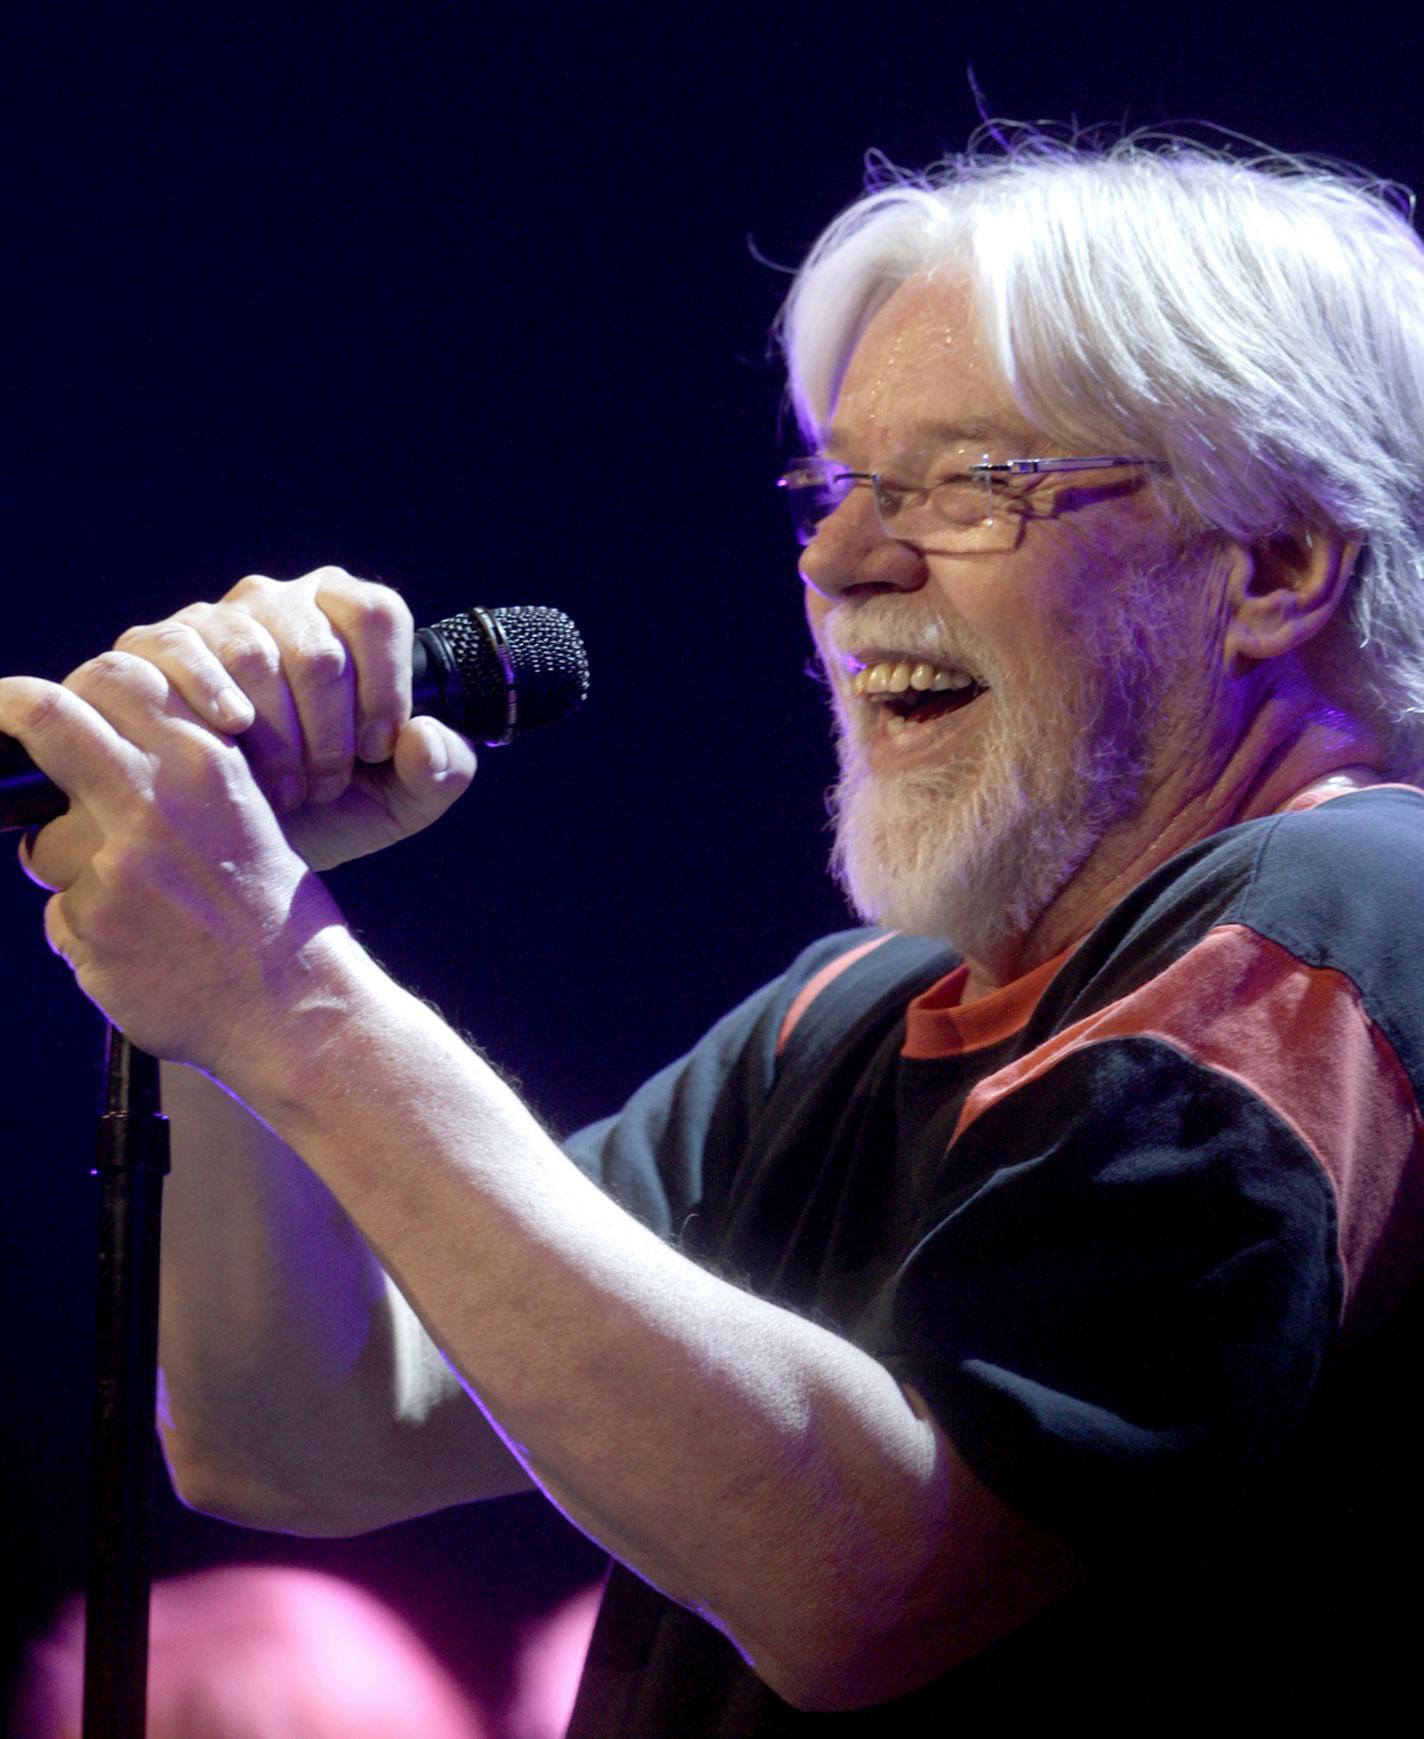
1116	1224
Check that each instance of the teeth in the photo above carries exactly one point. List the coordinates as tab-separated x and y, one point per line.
886	677
894	724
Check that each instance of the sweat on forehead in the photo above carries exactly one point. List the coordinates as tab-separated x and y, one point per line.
921	379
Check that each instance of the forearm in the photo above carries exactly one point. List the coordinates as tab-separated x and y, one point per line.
299	1391
748	1462
755	1466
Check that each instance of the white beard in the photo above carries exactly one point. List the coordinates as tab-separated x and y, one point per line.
975	852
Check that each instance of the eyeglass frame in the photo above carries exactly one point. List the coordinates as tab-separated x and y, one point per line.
985	469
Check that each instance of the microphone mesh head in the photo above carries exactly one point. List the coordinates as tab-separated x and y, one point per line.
550	664
547	669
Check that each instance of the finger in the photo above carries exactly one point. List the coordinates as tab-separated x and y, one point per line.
70	740
378	630
250	654
161	737
52	856
65	941
193	668
320	677
433	766
134	696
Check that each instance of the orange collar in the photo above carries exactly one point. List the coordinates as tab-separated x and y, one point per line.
938	1024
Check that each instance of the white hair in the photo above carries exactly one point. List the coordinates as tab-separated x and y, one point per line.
1257	325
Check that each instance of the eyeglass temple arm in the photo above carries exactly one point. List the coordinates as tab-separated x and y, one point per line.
1031	467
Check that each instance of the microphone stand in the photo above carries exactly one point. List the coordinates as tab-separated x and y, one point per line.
131	1163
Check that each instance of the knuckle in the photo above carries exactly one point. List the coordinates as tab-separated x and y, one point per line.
249	656
386	610
361	605
40	709
112	671
317	664
114	665
330	575
198	616
253	588
169	636
172	633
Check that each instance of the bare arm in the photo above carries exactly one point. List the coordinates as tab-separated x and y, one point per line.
300	1389
751	1464
756	1467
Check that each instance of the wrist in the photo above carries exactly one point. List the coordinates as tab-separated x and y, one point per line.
312	999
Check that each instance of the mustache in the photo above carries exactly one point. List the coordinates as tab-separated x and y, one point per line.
905	626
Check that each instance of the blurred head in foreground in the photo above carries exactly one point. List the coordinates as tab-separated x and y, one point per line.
260	1653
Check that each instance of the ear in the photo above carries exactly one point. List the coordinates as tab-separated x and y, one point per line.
1281	594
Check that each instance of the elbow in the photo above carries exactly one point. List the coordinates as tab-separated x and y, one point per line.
218	1484
213	1487
212	1490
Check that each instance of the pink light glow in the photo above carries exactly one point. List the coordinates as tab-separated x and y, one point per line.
549	1667
245	1651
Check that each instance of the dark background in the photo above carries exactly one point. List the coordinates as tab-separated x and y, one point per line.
476	300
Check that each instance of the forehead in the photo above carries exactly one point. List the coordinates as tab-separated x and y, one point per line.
922	377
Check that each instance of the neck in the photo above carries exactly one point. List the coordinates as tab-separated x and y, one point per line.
1200	789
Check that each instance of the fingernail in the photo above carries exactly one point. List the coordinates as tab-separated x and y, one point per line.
436	752
328	789
378	740
233	708
290	794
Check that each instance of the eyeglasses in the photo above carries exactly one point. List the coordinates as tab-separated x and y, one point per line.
969	507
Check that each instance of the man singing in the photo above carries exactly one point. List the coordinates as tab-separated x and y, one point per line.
928	1341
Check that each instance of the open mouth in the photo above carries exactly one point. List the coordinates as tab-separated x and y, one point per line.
913	692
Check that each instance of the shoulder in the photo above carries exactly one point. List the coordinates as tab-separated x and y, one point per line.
1319	868
1342	885
1337	887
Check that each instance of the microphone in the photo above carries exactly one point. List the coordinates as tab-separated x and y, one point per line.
491	674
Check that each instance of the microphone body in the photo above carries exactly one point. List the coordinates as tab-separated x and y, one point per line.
491	674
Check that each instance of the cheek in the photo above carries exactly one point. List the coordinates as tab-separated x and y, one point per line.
1022	634
1098	546
1110	592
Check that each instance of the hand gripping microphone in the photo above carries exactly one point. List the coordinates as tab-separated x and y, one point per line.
492	675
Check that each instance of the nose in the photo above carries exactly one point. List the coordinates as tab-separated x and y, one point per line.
852	552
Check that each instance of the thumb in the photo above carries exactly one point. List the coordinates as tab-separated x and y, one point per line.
433	766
